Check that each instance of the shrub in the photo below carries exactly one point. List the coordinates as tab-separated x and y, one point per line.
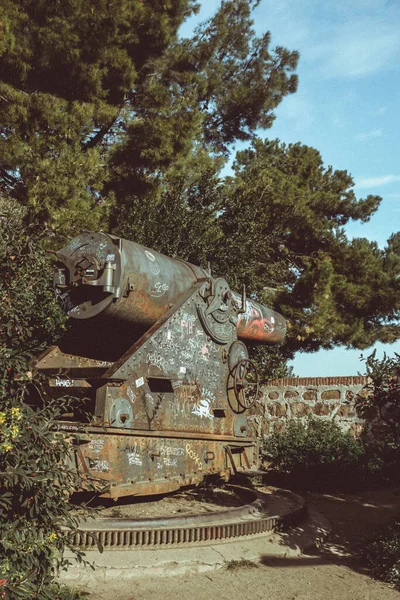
385	382
30	317
35	483
382	404
34	477
315	448
381	554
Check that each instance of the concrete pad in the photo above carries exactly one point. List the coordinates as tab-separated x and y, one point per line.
125	565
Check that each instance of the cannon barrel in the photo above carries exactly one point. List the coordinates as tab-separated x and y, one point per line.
101	276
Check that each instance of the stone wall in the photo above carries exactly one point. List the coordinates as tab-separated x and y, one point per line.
320	397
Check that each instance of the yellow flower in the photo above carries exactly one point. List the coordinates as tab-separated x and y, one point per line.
2	417
52	536
14	431
7	447
16	413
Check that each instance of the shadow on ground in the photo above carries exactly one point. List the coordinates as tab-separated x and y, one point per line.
353	517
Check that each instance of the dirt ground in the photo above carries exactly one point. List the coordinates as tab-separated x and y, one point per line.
192	501
332	572
186	502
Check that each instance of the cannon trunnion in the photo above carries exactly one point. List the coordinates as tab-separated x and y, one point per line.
157	350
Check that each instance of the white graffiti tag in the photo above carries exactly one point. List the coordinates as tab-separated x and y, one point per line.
202	409
159	289
96	446
134	459
98	465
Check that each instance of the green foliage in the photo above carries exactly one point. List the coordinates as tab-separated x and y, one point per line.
242	80
381	553
35	478
30	316
44	163
68	75
35	483
282	226
380	405
313	449
178	218
210	90
98	100
271	362
384	386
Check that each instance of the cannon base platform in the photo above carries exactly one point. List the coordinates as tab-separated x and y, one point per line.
288	532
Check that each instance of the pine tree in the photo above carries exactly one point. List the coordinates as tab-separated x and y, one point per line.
283	223
211	90
68	75
98	100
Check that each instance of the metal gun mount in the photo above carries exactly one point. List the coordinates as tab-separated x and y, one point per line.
157	350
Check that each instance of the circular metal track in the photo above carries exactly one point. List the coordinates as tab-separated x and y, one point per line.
254	518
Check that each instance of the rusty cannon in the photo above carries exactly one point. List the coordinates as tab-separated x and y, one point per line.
157	350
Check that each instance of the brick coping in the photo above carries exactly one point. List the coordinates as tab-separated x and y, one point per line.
317	381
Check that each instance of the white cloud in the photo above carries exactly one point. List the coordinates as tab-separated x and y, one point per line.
357	48
367	135
371	182
351	40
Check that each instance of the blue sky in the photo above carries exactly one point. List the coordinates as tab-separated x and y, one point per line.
347	106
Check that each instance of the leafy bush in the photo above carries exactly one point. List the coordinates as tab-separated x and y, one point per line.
382	405
317	448
385	382
35	483
35	479
381	554
30	317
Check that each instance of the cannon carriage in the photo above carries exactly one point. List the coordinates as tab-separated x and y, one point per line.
158	351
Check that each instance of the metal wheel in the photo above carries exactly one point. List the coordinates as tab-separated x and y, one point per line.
246	383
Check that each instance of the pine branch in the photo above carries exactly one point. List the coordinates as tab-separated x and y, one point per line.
96	139
9	179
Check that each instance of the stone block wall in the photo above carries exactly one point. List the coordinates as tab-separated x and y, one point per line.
321	397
